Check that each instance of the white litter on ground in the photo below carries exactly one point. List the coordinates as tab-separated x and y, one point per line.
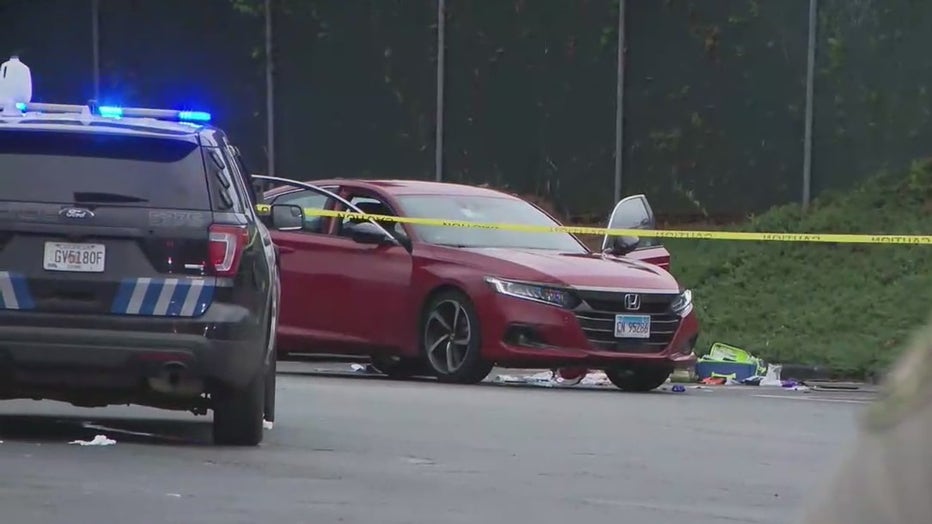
544	379
549	379
772	378
597	378
99	440
267	425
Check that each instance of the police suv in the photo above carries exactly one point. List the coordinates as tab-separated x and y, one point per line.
133	266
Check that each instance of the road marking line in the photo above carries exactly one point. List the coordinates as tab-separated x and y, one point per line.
840	400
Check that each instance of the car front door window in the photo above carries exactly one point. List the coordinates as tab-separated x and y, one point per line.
372	206
308	200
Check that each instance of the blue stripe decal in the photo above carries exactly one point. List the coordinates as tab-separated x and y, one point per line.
14	292
178	299
21	289
160	297
204	301
124	292
151	297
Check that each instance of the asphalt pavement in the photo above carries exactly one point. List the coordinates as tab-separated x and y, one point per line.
375	451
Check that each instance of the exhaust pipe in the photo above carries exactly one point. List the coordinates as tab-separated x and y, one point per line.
174	378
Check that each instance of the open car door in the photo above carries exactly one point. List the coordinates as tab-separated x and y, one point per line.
634	212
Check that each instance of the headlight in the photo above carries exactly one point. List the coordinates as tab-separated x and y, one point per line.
538	293
682	303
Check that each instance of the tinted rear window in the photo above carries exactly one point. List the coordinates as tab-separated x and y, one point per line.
74	168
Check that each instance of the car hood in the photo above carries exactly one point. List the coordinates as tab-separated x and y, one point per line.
577	270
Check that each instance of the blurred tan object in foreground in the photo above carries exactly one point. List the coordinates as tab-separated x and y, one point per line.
886	476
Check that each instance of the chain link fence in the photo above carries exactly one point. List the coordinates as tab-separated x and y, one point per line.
715	92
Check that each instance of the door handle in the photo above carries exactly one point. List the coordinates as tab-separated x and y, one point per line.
284	249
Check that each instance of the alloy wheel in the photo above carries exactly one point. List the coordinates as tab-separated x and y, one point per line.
447	336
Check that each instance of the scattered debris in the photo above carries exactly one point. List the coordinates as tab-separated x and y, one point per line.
99	440
597	378
545	379
267	425
679	388
730	363
557	378
367	369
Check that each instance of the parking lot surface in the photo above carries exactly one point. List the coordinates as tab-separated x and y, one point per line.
364	450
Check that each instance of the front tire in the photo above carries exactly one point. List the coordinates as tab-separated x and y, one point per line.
639	379
450	340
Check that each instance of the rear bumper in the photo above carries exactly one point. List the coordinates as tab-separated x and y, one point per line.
563	343
226	345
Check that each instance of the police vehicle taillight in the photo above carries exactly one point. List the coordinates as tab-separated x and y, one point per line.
227	243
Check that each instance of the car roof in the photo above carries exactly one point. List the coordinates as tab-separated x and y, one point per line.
71	122
404	187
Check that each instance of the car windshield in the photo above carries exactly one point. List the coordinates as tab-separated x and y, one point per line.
485	209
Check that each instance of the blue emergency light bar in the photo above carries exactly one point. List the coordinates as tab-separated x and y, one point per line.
200	117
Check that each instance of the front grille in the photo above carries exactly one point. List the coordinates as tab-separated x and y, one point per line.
614	302
596	316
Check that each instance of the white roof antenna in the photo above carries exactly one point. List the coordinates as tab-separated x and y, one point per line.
15	86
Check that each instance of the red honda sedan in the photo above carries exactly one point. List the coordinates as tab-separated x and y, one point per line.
452	301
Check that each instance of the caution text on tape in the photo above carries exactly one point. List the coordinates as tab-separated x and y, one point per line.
832	238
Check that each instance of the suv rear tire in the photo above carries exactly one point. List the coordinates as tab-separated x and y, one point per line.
239	413
270	385
639	379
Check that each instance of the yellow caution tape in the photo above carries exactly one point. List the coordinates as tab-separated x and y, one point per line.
831	238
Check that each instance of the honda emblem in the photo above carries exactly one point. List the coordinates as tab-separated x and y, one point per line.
632	302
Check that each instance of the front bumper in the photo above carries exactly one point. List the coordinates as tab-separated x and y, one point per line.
554	337
226	345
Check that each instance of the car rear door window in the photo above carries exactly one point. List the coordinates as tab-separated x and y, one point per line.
85	168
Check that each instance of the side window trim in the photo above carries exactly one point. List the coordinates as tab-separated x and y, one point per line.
221	177
239	181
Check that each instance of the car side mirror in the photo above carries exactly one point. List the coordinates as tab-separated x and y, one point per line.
286	217
623	245
369	233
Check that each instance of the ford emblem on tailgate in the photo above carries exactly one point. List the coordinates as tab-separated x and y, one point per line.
76	212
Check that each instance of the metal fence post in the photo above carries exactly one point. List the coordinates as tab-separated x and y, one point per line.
441	66
620	102
95	46
810	103
269	92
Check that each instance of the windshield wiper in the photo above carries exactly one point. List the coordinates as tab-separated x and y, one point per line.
85	198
